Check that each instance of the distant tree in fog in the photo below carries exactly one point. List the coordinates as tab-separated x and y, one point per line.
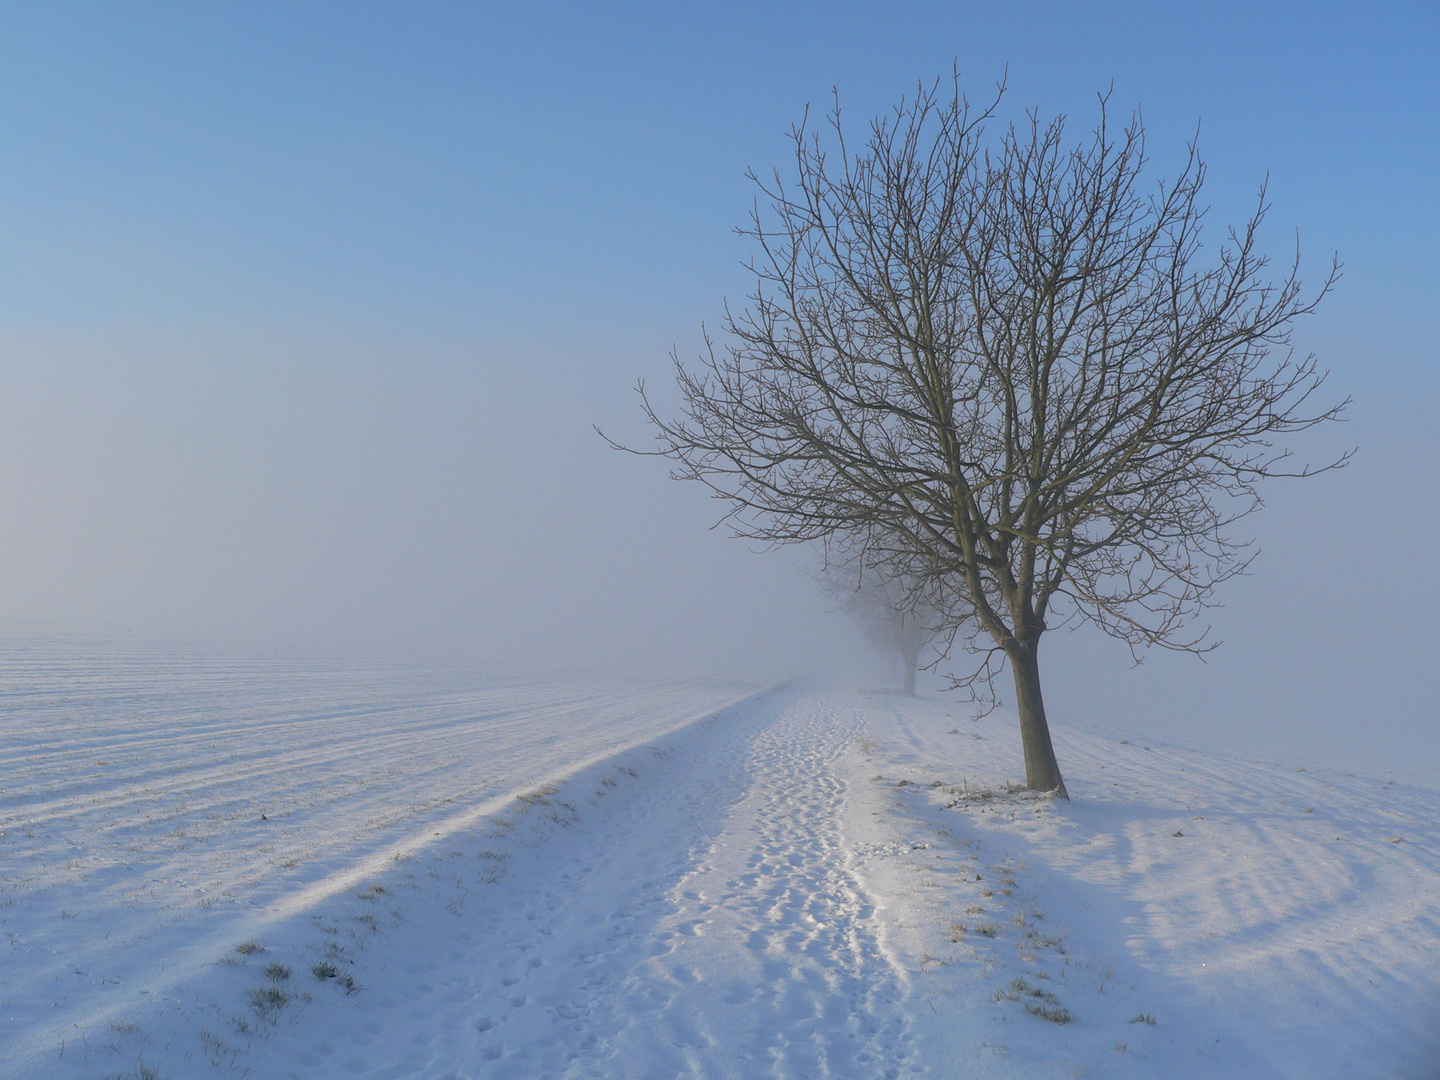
895	609
1006	358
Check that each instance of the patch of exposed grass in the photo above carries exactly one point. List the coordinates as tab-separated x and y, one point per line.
249	948
268	999
1056	1014
324	970
1143	1018
538	796
1037	1001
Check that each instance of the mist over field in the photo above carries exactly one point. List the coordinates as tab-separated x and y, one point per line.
364	711
306	320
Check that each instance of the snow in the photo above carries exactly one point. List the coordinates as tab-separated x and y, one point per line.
461	876
155	811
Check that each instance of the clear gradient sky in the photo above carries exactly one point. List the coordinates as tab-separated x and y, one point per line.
306	312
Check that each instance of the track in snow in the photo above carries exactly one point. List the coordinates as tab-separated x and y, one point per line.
696	919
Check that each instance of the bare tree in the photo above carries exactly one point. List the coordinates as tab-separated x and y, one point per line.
1007	359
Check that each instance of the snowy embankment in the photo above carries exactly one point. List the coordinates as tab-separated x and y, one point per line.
798	884
157	811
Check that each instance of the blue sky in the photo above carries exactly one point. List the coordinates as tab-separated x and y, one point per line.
454	166
306	311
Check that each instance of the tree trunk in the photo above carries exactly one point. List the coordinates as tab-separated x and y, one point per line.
1042	771
909	677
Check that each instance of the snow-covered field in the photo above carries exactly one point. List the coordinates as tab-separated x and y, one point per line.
220	869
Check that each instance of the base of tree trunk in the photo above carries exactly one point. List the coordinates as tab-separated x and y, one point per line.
1042	771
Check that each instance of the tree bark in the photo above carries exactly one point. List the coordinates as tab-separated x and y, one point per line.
909	677
1042	771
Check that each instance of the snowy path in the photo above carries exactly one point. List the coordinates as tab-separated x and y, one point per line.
772	954
703	924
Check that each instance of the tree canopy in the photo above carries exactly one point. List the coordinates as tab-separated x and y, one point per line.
1007	362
